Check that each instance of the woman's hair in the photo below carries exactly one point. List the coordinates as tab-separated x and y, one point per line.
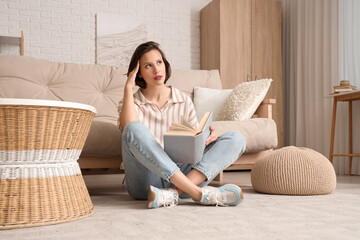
139	52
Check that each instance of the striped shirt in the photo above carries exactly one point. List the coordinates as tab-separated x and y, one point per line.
158	120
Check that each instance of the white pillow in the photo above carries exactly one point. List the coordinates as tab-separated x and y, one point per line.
208	99
244	100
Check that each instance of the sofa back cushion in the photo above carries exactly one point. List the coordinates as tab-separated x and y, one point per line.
186	80
99	86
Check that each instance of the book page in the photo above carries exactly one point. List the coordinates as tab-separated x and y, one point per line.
178	132
179	127
185	128
187	124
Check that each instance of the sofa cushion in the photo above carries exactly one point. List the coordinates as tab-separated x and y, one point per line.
99	86
244	100
186	80
104	139
260	133
209	99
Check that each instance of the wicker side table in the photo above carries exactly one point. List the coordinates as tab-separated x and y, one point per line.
40	179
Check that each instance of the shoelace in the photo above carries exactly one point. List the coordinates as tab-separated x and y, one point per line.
168	199
215	198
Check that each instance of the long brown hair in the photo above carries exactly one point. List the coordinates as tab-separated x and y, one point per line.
139	52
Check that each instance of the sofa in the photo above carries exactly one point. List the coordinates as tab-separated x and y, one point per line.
102	87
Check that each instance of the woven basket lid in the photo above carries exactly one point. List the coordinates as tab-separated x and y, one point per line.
50	103
294	171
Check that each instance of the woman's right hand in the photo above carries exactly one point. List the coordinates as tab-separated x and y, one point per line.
132	76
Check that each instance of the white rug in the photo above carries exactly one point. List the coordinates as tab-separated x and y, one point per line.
260	216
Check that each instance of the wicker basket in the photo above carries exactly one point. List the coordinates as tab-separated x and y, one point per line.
40	179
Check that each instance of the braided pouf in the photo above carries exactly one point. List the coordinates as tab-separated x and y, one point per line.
293	171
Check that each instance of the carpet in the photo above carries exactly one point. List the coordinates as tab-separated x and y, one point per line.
259	216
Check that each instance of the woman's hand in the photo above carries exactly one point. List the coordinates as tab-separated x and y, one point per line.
132	76
212	136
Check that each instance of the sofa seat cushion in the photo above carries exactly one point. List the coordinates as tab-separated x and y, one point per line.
104	140
260	133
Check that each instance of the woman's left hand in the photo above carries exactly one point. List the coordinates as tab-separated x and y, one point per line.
212	136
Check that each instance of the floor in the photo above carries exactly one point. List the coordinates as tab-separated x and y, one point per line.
102	184
260	216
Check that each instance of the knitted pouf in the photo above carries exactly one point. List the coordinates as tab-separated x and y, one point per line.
294	171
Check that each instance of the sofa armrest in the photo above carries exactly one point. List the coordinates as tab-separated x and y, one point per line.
265	109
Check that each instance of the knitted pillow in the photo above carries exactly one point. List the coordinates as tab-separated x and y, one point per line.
244	100
293	171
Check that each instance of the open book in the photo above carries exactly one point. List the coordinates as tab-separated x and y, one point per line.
184	144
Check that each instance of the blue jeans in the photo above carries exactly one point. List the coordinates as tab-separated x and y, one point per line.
146	163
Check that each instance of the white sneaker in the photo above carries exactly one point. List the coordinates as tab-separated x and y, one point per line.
227	195
168	197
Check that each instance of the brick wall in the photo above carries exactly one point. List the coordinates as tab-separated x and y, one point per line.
64	30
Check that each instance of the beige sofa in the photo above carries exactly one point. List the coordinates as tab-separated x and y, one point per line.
102	87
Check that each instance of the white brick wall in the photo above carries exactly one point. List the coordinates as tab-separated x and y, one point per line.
64	30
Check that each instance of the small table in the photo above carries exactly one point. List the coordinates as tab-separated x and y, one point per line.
40	178
344	97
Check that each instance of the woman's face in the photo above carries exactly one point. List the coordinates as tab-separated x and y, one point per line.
152	68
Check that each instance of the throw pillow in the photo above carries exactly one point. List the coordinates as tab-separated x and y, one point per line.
244	100
208	99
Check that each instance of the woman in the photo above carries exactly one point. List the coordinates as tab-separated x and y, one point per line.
144	118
